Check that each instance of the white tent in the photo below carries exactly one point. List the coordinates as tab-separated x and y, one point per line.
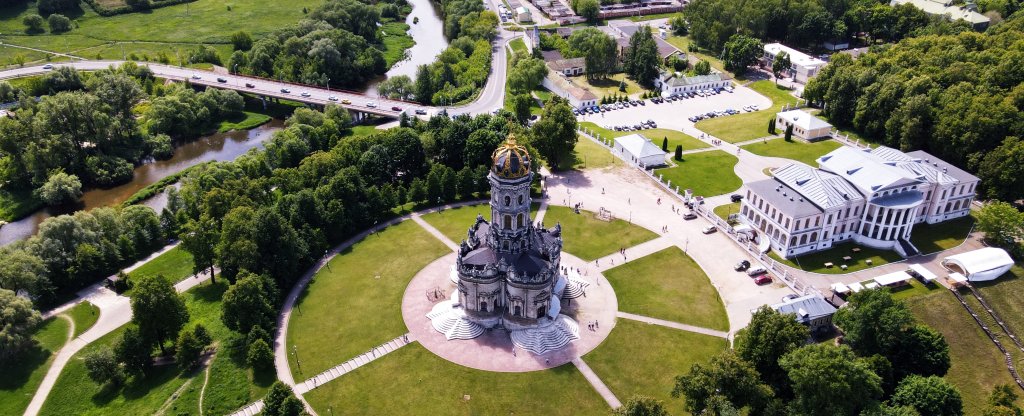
957	278
980	265
925	274
856	287
840	288
892	279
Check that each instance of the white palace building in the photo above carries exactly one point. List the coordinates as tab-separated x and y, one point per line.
871	196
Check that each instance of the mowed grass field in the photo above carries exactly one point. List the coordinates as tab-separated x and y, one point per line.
165	389
815	262
668	285
723	211
640	358
589	155
706	173
749	126
175	265
21	377
977	366
589	238
355	303
413	380
657	136
797	150
84	315
931	238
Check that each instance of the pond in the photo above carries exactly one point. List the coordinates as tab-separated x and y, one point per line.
219	147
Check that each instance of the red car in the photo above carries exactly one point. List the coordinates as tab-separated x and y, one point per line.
396	108
763	280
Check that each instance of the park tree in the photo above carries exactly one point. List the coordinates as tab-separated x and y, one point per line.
640	405
771	126
820	373
527	73
1001	222
727	375
190	346
642	60
60	189
679	152
702	67
20	270
281	401
133	352
554	136
199	238
770	336
930	395
157	310
664	145
1003	402
103	368
678	25
789	133
241	40
58	23
598	50
33	23
250	302
740	52
259	356
587	9
399	87
780	64
1004	176
47	7
17	321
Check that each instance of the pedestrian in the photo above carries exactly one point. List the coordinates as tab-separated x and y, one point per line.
602	190
597	324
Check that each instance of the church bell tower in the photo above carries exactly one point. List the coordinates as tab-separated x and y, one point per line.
510	179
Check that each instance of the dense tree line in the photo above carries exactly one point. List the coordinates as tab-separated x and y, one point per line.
958	97
804	22
888	364
461	69
336	44
91	129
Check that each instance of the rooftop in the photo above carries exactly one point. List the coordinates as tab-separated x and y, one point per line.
680	81
806	308
638	145
867	170
804	120
784	198
795	57
967	12
824	189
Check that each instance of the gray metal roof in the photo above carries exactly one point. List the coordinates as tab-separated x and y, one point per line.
926	160
867	170
824	189
784	198
683	81
806	308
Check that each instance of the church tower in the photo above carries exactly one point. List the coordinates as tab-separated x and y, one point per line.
510	179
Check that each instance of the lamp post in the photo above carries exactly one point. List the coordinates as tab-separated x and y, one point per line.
295	354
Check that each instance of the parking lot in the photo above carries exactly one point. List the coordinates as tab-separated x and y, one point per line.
674	114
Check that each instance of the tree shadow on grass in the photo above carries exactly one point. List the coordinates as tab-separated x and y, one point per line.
17	372
210	293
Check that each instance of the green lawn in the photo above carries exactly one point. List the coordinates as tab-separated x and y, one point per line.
455	222
355	303
723	211
656	135
171	29
589	238
1005	297
668	285
84	315
706	173
815	262
22	376
608	86
683	43
229	388
748	126
640	358
797	150
914	289
246	121
590	155
977	365
518	45
175	265
931	238
15	205
413	380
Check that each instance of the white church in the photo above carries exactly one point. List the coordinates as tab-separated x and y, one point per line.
871	196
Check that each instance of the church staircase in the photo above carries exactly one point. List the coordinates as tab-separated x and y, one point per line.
547	338
452	322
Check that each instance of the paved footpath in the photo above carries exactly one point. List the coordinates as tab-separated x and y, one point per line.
675	325
595	381
633	253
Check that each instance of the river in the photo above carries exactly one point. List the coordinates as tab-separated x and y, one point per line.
428	33
220	147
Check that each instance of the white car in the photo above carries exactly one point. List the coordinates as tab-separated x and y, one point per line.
304	94
47	66
196	76
371	104
709	229
332	98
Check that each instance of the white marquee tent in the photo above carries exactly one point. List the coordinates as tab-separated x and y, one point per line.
980	265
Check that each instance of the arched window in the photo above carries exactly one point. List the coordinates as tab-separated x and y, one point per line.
803	239
520	199
508	200
508	221
519	220
814	236
792	241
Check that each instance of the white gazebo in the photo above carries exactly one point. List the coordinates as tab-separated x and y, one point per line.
980	265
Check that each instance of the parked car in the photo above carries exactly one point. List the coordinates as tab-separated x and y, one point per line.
756	271
286	91
250	85
420	111
736	197
790	297
763	280
742	265
689	216
711	229
221	80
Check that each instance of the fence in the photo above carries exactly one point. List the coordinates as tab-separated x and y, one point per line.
780	270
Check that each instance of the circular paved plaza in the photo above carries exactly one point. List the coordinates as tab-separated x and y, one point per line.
493	351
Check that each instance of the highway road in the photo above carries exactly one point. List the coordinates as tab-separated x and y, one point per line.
491	97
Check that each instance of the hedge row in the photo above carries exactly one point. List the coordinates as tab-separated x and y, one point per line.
104	11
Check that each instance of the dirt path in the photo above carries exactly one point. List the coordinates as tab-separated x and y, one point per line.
206	380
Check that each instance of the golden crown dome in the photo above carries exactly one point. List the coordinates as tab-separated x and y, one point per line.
511	160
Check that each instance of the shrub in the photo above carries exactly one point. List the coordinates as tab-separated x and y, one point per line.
260	357
60	188
106	171
160	146
103	367
58	23
33	23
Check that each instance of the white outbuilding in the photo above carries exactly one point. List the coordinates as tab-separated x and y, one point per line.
637	149
980	265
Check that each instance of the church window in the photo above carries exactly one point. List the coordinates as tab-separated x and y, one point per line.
520	199
508	222
519	220
508	200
